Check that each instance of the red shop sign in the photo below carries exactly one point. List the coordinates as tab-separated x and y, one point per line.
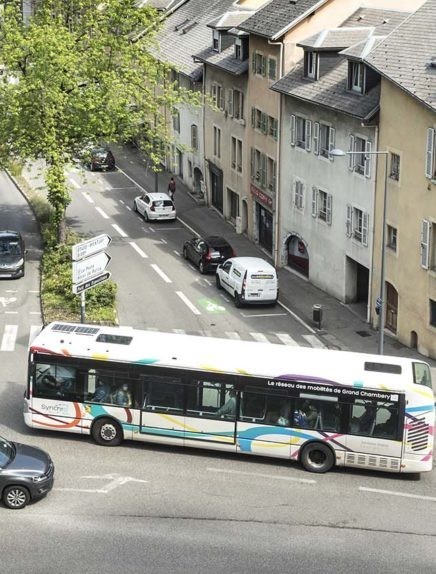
260	196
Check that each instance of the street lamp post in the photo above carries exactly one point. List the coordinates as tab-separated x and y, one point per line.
380	301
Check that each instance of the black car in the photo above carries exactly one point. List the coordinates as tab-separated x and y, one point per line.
26	473
100	158
12	254
207	252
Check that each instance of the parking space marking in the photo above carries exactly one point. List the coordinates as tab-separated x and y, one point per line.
188	303
138	250
262	475
119	230
249	315
102	213
396	493
160	273
9	338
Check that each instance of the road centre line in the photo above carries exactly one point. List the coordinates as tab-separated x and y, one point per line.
87	197
74	183
119	230
161	273
102	213
138	249
188	303
135	183
396	493
261	475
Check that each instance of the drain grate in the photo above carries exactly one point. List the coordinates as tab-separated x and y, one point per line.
363	333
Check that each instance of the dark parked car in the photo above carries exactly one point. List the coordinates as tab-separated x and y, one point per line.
12	254
99	158
207	252
26	473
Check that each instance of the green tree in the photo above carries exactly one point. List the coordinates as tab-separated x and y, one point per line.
75	72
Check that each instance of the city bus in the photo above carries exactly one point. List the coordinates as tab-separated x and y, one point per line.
316	406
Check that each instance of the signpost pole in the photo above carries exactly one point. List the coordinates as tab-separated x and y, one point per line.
82	306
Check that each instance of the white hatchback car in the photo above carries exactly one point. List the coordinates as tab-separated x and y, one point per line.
153	206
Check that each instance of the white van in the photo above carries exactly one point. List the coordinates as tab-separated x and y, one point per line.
248	280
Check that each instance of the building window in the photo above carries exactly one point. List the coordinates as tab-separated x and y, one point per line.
272	127
430	159
238	105
259	120
216	40
392	238
357	224
432	240
432	313
322	205
301	132
216	142
299	194
194	137
394	170
326	140
176	121
272	68
238	50
356	77
271	174
258	64
190	170
258	167
311	65
234	205
236	145
217	95
360	160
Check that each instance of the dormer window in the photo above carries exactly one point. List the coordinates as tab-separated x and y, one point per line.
311	65
216	40
356	77
241	49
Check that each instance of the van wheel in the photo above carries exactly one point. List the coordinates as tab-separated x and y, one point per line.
317	457
15	497
107	432
218	282
238	302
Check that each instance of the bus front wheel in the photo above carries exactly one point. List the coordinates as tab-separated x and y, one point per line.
107	432
317	457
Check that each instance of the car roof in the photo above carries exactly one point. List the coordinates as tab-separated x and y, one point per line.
215	240
9	233
157	196
252	262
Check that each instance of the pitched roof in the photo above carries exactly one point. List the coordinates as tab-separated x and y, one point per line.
224	60
230	19
331	89
405	56
185	32
336	38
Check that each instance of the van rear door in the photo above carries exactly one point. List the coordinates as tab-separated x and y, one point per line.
261	285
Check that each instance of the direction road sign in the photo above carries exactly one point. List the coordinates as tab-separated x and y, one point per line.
89	247
80	287
90	267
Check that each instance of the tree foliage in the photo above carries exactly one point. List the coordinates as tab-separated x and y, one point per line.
75	72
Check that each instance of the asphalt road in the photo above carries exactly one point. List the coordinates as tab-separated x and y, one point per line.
149	508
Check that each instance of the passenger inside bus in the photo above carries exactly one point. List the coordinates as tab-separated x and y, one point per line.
123	397
229	407
102	392
365	423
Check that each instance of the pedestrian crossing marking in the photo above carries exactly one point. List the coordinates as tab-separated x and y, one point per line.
259	337
232	335
313	341
286	339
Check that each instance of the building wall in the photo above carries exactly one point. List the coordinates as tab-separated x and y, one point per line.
403	130
328	246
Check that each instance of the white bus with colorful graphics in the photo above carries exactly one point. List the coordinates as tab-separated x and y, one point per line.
319	407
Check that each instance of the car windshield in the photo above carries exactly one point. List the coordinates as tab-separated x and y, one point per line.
6	452
9	246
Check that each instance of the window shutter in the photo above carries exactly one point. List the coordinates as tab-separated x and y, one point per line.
332	138
263	170
213	92
294	193
365	225
222	100
252	164
349	223
314	201
293	121
253	62
230	102
367	170
425	240
329	208
351	156
264	123
253	117
316	138
263	66
308	128
430	156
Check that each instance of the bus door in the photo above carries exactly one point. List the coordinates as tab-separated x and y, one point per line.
210	414
162	409
264	424
375	430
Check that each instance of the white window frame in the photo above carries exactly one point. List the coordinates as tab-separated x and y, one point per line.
392	235
258	64
271	174
425	243
238	104
357	77
236	154
322	205
216	41
298	194
302	132
217	142
311	64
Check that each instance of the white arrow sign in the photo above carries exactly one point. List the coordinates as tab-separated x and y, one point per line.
89	267
91	246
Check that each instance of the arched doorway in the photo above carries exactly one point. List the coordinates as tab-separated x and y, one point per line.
297	254
413	339
198	181
391	307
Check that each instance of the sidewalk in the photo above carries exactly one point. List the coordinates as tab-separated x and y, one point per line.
342	327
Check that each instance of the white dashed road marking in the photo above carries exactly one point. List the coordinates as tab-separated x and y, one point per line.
161	273
395	493
102	213
261	475
119	230
188	303
138	249
88	197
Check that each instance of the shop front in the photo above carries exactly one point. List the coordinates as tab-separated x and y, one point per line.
263	218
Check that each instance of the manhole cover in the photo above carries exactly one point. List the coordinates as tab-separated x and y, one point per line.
363	333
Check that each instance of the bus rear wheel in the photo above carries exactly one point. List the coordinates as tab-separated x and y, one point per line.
107	432
317	457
